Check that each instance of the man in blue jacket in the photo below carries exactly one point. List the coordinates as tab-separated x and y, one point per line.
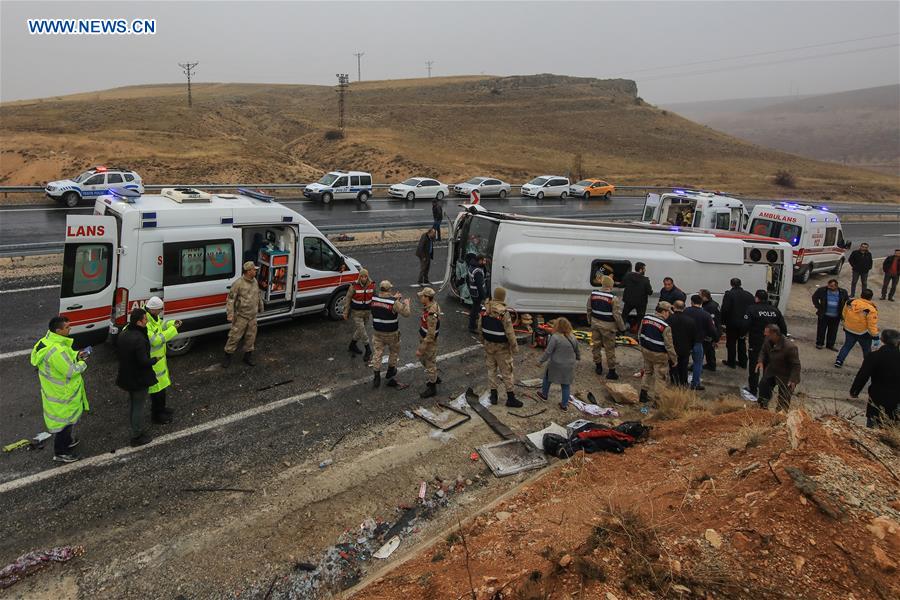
829	302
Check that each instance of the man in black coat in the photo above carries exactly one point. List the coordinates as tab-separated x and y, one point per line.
670	292
883	368
891	268
755	320
706	329
636	291
684	336
437	213
425	254
861	263
709	345
829	302
735	303
136	372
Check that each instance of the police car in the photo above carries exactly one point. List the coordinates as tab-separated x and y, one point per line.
341	185
92	184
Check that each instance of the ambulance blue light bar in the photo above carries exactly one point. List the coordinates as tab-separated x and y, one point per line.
256	195
127	194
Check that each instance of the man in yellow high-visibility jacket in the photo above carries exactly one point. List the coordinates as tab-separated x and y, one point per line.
160	333
59	369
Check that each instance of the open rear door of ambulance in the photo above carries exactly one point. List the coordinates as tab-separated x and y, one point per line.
651	204
88	278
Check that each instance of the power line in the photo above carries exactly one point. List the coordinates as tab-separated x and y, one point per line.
755	54
358	56
766	63
428	64
188	69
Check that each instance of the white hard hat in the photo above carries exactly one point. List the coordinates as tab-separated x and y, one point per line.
154	303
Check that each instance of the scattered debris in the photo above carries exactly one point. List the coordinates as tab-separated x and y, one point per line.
744	471
325	463
440	436
445	420
809	488
275	385
489	418
388	548
511	456
537	437
713	537
534	414
16	445
531	383
339	440
746	395
592	409
30	563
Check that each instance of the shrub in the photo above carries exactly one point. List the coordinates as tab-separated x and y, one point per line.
334	134
785	178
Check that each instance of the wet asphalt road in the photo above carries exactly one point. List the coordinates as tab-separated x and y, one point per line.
31	227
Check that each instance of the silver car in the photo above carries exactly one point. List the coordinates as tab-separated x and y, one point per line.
486	186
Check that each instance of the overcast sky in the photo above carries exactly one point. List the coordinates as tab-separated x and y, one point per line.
655	43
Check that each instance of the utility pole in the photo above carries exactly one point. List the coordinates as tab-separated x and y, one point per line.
343	84
189	70
358	56
428	64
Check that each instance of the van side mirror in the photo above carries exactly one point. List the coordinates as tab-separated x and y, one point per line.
847	244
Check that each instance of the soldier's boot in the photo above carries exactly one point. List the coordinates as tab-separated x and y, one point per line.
248	359
598	368
368	355
391	373
512	401
354	348
612	375
429	391
226	360
494	397
376	381
644	396
439	380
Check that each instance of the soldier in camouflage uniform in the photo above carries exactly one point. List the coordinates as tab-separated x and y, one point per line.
244	302
496	331
387	308
429	328
605	316
358	306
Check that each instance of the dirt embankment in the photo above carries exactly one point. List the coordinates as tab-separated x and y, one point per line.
743	505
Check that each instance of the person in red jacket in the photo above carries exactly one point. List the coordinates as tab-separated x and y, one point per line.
891	268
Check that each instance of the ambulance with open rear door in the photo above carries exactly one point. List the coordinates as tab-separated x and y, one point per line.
187	247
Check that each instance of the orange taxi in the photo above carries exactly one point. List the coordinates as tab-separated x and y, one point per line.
592	188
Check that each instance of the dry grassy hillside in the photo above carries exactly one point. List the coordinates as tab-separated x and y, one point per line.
514	127
859	127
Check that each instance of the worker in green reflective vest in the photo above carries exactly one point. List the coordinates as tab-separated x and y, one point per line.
160	332
59	369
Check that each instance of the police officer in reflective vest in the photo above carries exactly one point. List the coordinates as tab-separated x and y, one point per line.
62	387
429	329
160	333
386	311
358	306
496	331
605	316
475	280
658	349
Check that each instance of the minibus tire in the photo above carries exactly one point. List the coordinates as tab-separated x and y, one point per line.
180	346
71	199
335	307
326	198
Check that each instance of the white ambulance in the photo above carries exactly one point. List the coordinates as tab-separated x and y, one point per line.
689	208
187	247
548	265
813	232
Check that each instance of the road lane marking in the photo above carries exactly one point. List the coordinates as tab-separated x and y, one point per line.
891	235
15	354
28	289
388	210
433	283
110	457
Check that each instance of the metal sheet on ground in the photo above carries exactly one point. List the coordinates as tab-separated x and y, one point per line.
494	423
445	420
511	456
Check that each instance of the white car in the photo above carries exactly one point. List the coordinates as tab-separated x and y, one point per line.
486	186
93	183
341	185
419	187
546	185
